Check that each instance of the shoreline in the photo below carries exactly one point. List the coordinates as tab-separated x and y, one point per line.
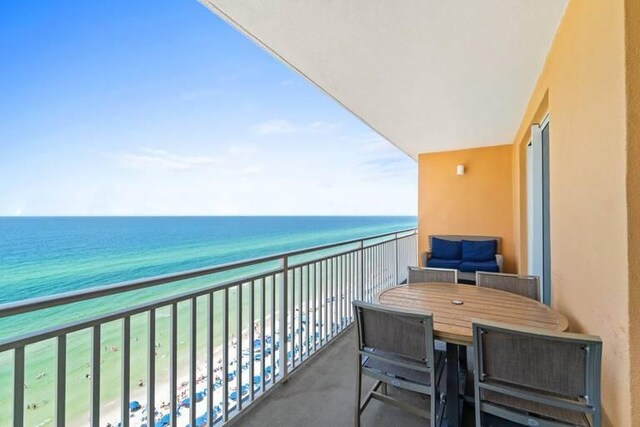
110	411
112	415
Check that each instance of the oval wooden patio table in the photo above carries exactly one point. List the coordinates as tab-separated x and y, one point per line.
452	320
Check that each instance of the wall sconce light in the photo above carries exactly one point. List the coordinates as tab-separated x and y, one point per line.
460	170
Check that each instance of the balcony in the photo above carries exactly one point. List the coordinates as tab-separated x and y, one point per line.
323	394
223	329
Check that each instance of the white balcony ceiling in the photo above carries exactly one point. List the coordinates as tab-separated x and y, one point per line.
429	75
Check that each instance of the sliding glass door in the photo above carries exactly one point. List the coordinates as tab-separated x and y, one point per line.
538	212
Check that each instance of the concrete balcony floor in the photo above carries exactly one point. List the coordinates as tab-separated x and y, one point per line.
322	393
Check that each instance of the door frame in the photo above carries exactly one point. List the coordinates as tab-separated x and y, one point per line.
538	213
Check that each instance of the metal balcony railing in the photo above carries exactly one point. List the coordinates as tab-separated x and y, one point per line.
257	327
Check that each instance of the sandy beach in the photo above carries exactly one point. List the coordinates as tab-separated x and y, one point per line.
110	415
41	384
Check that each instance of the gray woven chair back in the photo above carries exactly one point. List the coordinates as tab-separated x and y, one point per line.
421	274
527	286
395	331
565	365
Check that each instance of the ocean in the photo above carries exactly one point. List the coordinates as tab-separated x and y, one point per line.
42	256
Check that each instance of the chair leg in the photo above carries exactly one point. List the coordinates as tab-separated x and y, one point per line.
432	404
478	413
358	393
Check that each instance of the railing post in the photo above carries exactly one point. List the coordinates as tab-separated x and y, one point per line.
361	270
395	243
283	319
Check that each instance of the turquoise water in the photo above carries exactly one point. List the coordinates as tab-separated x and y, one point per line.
46	256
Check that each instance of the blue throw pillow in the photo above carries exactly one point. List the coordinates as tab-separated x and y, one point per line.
482	250
445	249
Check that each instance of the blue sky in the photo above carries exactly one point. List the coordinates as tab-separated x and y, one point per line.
160	108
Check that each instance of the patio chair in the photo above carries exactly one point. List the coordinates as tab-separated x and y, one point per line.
429	274
527	286
396	347
536	377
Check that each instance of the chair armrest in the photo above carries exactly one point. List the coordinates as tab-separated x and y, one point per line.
499	261
424	256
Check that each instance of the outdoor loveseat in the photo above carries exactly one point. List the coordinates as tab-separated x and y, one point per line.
467	254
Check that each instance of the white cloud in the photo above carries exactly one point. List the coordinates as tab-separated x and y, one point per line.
241	149
342	173
322	126
375	144
251	170
190	95
275	126
148	159
282	126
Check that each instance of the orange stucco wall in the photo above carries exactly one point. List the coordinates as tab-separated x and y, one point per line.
582	87
590	87
632	31
478	203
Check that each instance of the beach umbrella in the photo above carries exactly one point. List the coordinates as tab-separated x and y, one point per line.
244	389
233	395
199	396
200	421
257	343
134	405
257	379
166	418
216	414
186	402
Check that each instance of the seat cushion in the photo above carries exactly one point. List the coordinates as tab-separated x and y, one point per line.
529	407
473	266
443	263
481	250
446	249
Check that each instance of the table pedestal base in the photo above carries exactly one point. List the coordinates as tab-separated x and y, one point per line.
456	378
